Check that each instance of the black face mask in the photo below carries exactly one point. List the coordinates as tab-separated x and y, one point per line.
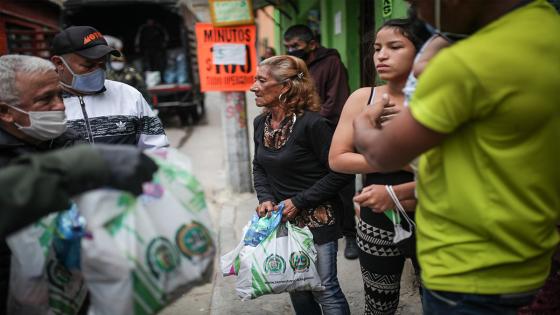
300	53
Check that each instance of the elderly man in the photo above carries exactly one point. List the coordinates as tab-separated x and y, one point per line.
32	119
100	110
489	181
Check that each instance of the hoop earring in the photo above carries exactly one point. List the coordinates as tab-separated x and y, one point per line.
280	98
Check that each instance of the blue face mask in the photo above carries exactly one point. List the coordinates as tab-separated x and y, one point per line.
90	82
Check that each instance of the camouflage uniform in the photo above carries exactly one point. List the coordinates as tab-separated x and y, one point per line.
132	77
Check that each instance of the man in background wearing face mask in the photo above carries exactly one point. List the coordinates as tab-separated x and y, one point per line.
488	180
101	111
120	71
331	82
325	67
32	120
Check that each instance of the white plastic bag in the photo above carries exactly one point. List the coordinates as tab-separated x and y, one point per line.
229	262
39	283
285	261
147	251
30	248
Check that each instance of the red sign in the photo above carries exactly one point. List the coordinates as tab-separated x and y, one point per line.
227	57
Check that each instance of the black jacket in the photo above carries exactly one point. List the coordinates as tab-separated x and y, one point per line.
299	171
331	82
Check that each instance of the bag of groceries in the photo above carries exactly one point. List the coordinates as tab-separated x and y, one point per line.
44	273
145	252
253	234
283	262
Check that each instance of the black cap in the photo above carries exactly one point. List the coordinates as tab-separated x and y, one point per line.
85	41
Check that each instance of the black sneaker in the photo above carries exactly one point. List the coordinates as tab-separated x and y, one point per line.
351	251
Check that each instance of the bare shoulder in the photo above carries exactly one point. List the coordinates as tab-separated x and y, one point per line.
362	93
357	101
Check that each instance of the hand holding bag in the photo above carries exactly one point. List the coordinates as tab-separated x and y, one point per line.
283	262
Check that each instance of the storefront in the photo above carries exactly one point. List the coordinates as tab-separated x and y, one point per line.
27	27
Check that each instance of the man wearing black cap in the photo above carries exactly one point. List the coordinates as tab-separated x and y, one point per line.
102	111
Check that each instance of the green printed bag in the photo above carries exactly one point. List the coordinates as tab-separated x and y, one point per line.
229	262
285	261
39	283
147	251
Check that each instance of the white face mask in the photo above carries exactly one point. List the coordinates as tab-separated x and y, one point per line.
117	65
45	125
400	233
395	216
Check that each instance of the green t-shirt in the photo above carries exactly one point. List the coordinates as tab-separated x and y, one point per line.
489	194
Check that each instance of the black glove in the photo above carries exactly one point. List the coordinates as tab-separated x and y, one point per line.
129	167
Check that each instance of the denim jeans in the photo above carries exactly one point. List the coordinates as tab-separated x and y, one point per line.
331	300
451	303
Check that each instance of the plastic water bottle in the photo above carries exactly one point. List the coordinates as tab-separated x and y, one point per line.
261	228
70	228
170	74
181	68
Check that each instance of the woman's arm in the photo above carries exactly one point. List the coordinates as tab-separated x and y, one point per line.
262	188
409	205
431	49
260	180
342	155
319	135
405	191
377	198
37	184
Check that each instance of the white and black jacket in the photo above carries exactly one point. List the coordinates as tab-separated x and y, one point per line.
117	115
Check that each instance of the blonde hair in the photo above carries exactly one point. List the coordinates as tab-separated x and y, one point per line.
292	71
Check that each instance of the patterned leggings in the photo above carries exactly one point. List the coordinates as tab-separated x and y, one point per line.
381	263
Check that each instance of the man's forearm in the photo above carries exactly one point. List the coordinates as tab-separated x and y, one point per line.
38	184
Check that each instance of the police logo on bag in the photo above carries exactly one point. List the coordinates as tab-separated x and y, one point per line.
274	264
299	261
194	240
57	274
162	257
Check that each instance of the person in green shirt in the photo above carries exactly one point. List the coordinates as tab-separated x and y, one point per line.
485	120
